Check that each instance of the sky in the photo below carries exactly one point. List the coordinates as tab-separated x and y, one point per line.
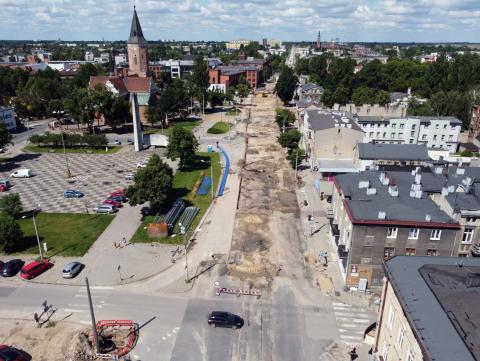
288	20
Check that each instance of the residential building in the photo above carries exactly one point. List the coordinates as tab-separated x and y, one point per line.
310	92
273	43
102	59
373	155
377	215
236	44
329	139
429	310
434	132
389	110
7	116
89	56
137	48
120	59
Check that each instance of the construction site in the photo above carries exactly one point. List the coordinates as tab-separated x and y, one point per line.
267	208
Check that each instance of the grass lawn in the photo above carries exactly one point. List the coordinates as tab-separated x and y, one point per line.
183	183
233	111
187	124
219	128
65	234
37	149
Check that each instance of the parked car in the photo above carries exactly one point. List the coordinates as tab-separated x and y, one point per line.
129	142
116	142
9	353
142	165
224	319
1	266
145	211
113	203
34	269
118	198
72	193
72	269
12	267
22	173
129	176
118	192
105	208
3	188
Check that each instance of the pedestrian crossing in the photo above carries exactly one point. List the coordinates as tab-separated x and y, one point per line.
352	322
79	304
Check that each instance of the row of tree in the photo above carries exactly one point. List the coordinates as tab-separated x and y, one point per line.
54	140
289	139
10	231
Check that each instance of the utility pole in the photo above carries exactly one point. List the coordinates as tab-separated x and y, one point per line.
36	233
184	232
92	316
296	164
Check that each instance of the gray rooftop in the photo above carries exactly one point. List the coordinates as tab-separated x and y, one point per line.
402	208
400	152
310	86
422	119
438	303
321	119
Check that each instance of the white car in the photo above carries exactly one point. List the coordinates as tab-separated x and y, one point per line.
129	176
22	173
142	165
116	142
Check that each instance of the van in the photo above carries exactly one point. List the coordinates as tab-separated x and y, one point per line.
105	208
22	173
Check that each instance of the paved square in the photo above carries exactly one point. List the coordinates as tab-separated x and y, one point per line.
96	175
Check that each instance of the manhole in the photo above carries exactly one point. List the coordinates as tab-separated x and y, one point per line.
337	293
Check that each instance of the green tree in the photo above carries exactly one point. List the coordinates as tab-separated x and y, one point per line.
215	98
174	99
243	90
328	98
11	205
82	77
151	184
284	117
5	136
295	156
154	114
286	84
10	232
290	139
182	145
341	95
200	78
382	97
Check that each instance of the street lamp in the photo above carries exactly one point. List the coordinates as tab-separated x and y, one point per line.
184	233
36	230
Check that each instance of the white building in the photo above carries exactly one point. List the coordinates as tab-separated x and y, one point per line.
434	132
120	58
272	43
89	56
102	59
296	52
236	44
7	116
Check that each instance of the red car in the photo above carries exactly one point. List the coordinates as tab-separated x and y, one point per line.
113	203
34	269
8	353
118	192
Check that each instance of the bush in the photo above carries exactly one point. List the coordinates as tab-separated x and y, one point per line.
53	140
290	139
10	232
284	117
11	205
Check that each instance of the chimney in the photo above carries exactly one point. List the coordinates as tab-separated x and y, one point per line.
371	191
363	184
382	215
418	178
444	191
393	190
428	218
460	171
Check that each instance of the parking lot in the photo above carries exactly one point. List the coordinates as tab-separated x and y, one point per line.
95	175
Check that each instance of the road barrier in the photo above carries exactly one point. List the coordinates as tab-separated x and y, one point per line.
237	291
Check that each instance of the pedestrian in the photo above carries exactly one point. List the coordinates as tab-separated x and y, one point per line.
353	354
124	241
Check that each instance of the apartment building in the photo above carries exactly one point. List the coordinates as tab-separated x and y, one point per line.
378	215
429	310
434	132
373	155
236	44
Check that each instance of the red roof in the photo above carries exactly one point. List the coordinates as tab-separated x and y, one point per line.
130	84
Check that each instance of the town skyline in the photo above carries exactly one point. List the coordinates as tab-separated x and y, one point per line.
357	21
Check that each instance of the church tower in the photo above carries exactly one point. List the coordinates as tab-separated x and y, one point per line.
137	49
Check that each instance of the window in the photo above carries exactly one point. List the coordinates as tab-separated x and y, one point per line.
410	251
384	135
392	135
443	137
471	219
394	125
371	134
392	232
378	134
409	356
411	141
436	126
401	334
400	135
436	234
424	137
413	233
412	133
467	235
388	252
414	126
435	137
401	125
385	350
444	126
432	252
364	125
391	317
425	126
450	137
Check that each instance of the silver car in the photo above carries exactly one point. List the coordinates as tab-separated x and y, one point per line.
105	208
72	269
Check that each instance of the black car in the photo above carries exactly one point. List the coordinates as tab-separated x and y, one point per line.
1	266
118	198
12	267
225	319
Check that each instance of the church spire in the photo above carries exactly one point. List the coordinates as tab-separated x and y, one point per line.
136	33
